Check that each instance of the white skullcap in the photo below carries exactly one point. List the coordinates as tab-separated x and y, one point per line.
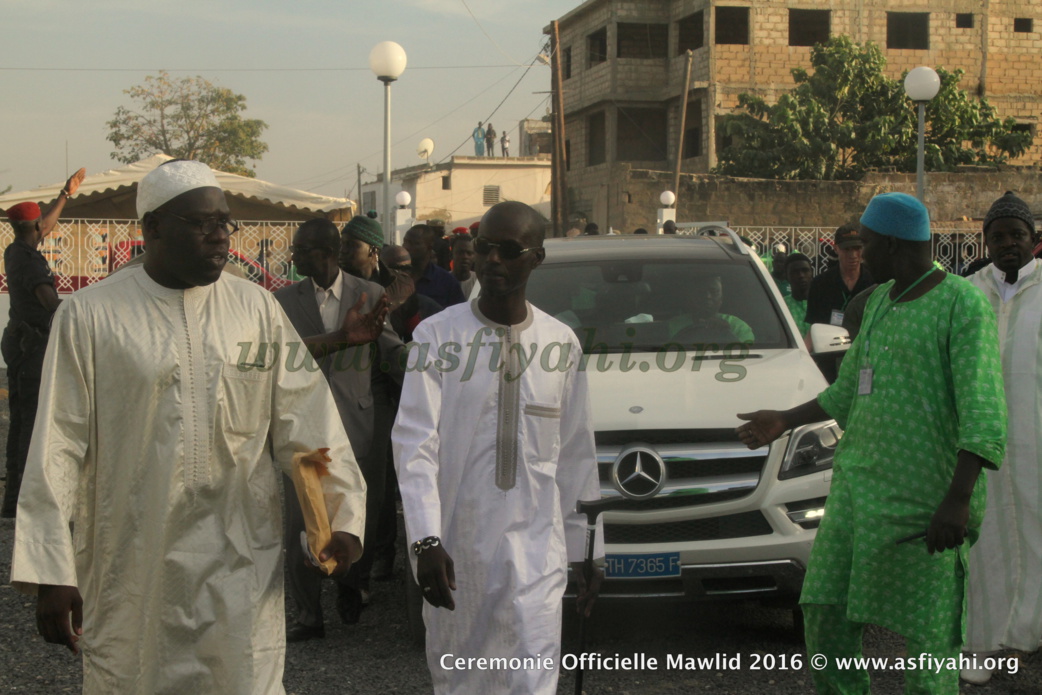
167	181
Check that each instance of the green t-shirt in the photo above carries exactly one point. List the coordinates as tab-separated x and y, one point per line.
798	309
740	328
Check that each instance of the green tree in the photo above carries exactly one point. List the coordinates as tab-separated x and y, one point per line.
847	116
187	118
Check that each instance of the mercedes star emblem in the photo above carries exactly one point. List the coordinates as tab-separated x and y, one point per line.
638	473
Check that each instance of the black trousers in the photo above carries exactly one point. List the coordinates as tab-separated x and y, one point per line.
23	352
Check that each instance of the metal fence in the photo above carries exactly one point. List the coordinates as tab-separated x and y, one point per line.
84	251
954	246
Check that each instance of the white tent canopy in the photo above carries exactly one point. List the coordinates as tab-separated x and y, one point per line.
119	187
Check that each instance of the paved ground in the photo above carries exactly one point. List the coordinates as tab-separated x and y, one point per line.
376	656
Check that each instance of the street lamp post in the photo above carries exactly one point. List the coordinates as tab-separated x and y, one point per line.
387	61
667	211
401	215
921	85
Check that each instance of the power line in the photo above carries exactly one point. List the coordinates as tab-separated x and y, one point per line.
487	35
421	67
489	117
420	130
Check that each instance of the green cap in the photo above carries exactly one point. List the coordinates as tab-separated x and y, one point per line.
366	230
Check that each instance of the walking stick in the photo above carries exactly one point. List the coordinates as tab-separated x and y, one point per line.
592	509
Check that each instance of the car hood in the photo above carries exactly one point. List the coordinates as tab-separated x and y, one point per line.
708	398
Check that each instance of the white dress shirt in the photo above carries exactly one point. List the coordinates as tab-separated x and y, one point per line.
329	302
1007	290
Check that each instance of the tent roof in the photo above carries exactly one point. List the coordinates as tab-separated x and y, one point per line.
107	183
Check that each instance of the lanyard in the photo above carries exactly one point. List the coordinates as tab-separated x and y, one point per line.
882	313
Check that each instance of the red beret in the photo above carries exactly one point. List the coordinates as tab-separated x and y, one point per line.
460	230
475	225
24	212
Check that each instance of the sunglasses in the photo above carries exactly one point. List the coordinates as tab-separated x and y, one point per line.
208	225
507	250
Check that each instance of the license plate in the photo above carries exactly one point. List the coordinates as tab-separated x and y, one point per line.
643	565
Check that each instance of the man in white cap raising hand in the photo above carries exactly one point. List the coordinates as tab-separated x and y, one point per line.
167	390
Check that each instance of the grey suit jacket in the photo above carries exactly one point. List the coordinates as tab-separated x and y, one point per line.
347	371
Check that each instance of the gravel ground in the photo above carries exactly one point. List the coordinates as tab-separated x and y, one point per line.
376	655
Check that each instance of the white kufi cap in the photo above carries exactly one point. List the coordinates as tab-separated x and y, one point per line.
167	181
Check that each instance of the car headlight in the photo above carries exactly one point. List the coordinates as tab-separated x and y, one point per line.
811	450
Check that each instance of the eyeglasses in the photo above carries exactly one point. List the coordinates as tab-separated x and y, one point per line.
209	225
508	250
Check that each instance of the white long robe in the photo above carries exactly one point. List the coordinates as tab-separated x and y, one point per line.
1005	589
155	439
494	466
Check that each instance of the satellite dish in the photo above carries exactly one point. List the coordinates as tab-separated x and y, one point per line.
425	149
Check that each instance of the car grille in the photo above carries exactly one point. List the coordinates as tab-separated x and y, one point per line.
697	472
687	468
656	437
731	526
678	501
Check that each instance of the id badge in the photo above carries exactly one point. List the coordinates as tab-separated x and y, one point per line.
837	318
864	382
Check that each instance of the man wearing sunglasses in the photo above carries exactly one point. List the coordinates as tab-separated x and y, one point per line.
326	301
168	393
494	446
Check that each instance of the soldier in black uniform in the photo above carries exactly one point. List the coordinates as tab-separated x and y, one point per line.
30	283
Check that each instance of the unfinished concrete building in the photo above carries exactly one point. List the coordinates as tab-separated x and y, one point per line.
623	64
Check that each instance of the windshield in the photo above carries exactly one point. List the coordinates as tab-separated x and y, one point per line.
649	305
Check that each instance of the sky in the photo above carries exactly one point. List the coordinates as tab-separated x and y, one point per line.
303	66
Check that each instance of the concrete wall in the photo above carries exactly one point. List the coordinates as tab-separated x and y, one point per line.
630	200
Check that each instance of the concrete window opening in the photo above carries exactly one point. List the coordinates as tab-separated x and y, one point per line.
640	135
642	40
1023	25
809	27
446	183
1028	128
566	62
964	21
490	196
908	30
732	26
597	47
691	32
596	140
723	139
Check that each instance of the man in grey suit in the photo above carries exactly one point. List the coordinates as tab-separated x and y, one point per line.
325	308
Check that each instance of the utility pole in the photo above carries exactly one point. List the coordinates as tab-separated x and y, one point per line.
683	125
359	201
559	161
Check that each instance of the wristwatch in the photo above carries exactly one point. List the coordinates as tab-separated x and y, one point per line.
428	542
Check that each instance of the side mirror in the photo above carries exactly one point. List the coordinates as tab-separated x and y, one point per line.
826	338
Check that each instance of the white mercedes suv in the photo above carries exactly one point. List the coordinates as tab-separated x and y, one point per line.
679	335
